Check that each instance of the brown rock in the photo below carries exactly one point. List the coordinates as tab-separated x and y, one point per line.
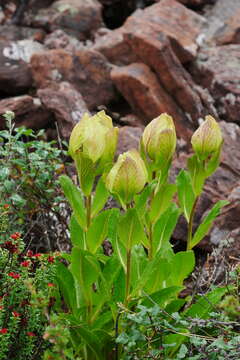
87	70
169	16
15	74
80	18
140	87
154	49
219	71
230	32
28	112
128	138
15	33
115	48
58	39
183	38
66	104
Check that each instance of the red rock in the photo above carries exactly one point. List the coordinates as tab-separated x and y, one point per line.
80	18
230	32
87	70
154	49
15	74
128	138
218	70
140	87
115	48
183	26
183	38
28	112
66	104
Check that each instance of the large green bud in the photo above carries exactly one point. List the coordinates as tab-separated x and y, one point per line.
159	139
207	139
92	145
127	177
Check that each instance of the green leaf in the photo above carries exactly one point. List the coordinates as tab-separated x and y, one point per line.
85	269
182	265
66	284
100	198
206	303
98	231
130	229
205	226
162	297
161	201
76	233
141	200
185	193
86	172
164	228
198	174
74	196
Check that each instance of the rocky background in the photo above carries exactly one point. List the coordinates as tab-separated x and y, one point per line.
137	59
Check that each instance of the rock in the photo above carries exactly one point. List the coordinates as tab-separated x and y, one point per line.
15	74
115	48
80	18
58	39
154	49
183	38
87	70
28	112
140	87
168	16
218	69
230	32
15	33
128	138
66	104
223	23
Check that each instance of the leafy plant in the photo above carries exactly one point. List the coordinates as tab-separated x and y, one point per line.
28	182
143	266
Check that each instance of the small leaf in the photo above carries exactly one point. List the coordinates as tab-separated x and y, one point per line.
98	231
75	199
182	265
185	193
205	226
100	198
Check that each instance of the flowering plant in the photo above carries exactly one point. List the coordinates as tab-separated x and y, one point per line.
26	290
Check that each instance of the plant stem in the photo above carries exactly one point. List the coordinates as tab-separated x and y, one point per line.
190	225
128	275
150	252
88	203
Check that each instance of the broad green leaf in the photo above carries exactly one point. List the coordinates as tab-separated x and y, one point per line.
100	198
182	265
66	285
130	229
176	341
162	297
161	201
139	261
205	226
206	303
85	270
77	234
164	228
185	193
98	231
74	196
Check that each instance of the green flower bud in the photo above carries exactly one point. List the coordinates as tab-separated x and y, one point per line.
92	145
127	177
159	139
207	139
